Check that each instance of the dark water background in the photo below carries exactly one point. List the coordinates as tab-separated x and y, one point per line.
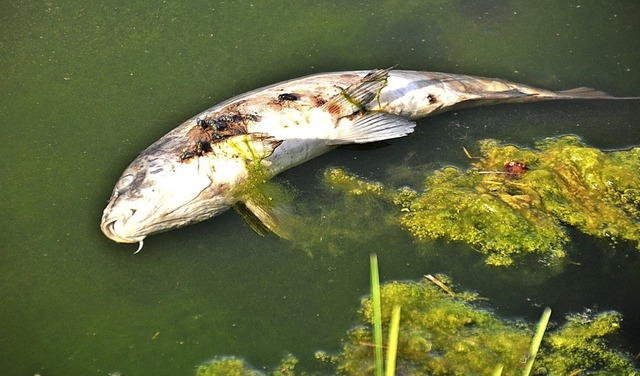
85	86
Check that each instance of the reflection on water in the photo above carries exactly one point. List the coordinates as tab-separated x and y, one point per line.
88	86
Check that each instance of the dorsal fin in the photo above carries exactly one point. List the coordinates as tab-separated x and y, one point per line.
357	96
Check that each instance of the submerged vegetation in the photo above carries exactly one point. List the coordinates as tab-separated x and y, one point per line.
510	203
516	201
232	366
445	333
442	334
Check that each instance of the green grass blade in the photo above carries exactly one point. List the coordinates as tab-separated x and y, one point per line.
537	339
392	348
377	314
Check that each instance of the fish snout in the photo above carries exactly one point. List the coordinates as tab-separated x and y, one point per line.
115	227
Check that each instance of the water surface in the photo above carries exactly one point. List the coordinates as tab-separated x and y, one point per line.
87	86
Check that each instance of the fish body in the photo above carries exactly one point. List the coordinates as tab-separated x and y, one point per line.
204	166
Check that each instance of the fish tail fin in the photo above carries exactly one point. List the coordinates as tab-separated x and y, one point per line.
589	93
584	92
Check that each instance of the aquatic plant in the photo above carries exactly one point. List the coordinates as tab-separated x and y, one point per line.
537	339
232	366
446	333
443	334
227	366
439	335
376	315
517	201
597	192
389	368
580	345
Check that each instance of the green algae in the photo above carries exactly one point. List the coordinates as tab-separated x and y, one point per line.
505	213
580	345
439	334
442	334
337	226
232	366
504	216
229	366
448	333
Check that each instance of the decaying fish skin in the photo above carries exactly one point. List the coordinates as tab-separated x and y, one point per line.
201	168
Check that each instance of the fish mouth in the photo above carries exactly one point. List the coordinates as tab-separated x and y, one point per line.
111	227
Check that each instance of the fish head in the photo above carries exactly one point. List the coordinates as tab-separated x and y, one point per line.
159	192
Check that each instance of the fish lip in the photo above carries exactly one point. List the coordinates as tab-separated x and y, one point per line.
108	228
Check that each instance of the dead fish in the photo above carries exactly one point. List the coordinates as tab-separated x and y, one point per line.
204	166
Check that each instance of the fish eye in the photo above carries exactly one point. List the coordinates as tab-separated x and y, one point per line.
124	182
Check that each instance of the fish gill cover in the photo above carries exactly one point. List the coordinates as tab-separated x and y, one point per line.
516	201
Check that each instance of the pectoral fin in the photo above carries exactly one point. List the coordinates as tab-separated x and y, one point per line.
371	127
252	220
265	206
264	217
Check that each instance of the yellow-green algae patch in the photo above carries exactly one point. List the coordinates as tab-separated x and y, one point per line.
505	213
445	333
228	366
232	366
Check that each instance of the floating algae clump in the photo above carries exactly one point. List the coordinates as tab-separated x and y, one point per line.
228	366
515	201
445	335
231	366
443	332
578	345
456	206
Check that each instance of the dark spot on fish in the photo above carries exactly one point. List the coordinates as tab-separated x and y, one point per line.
217	127
432	98
318	100
288	97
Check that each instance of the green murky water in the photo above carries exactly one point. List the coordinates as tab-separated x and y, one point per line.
85	87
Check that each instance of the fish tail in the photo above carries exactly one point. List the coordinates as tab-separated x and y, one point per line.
588	93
